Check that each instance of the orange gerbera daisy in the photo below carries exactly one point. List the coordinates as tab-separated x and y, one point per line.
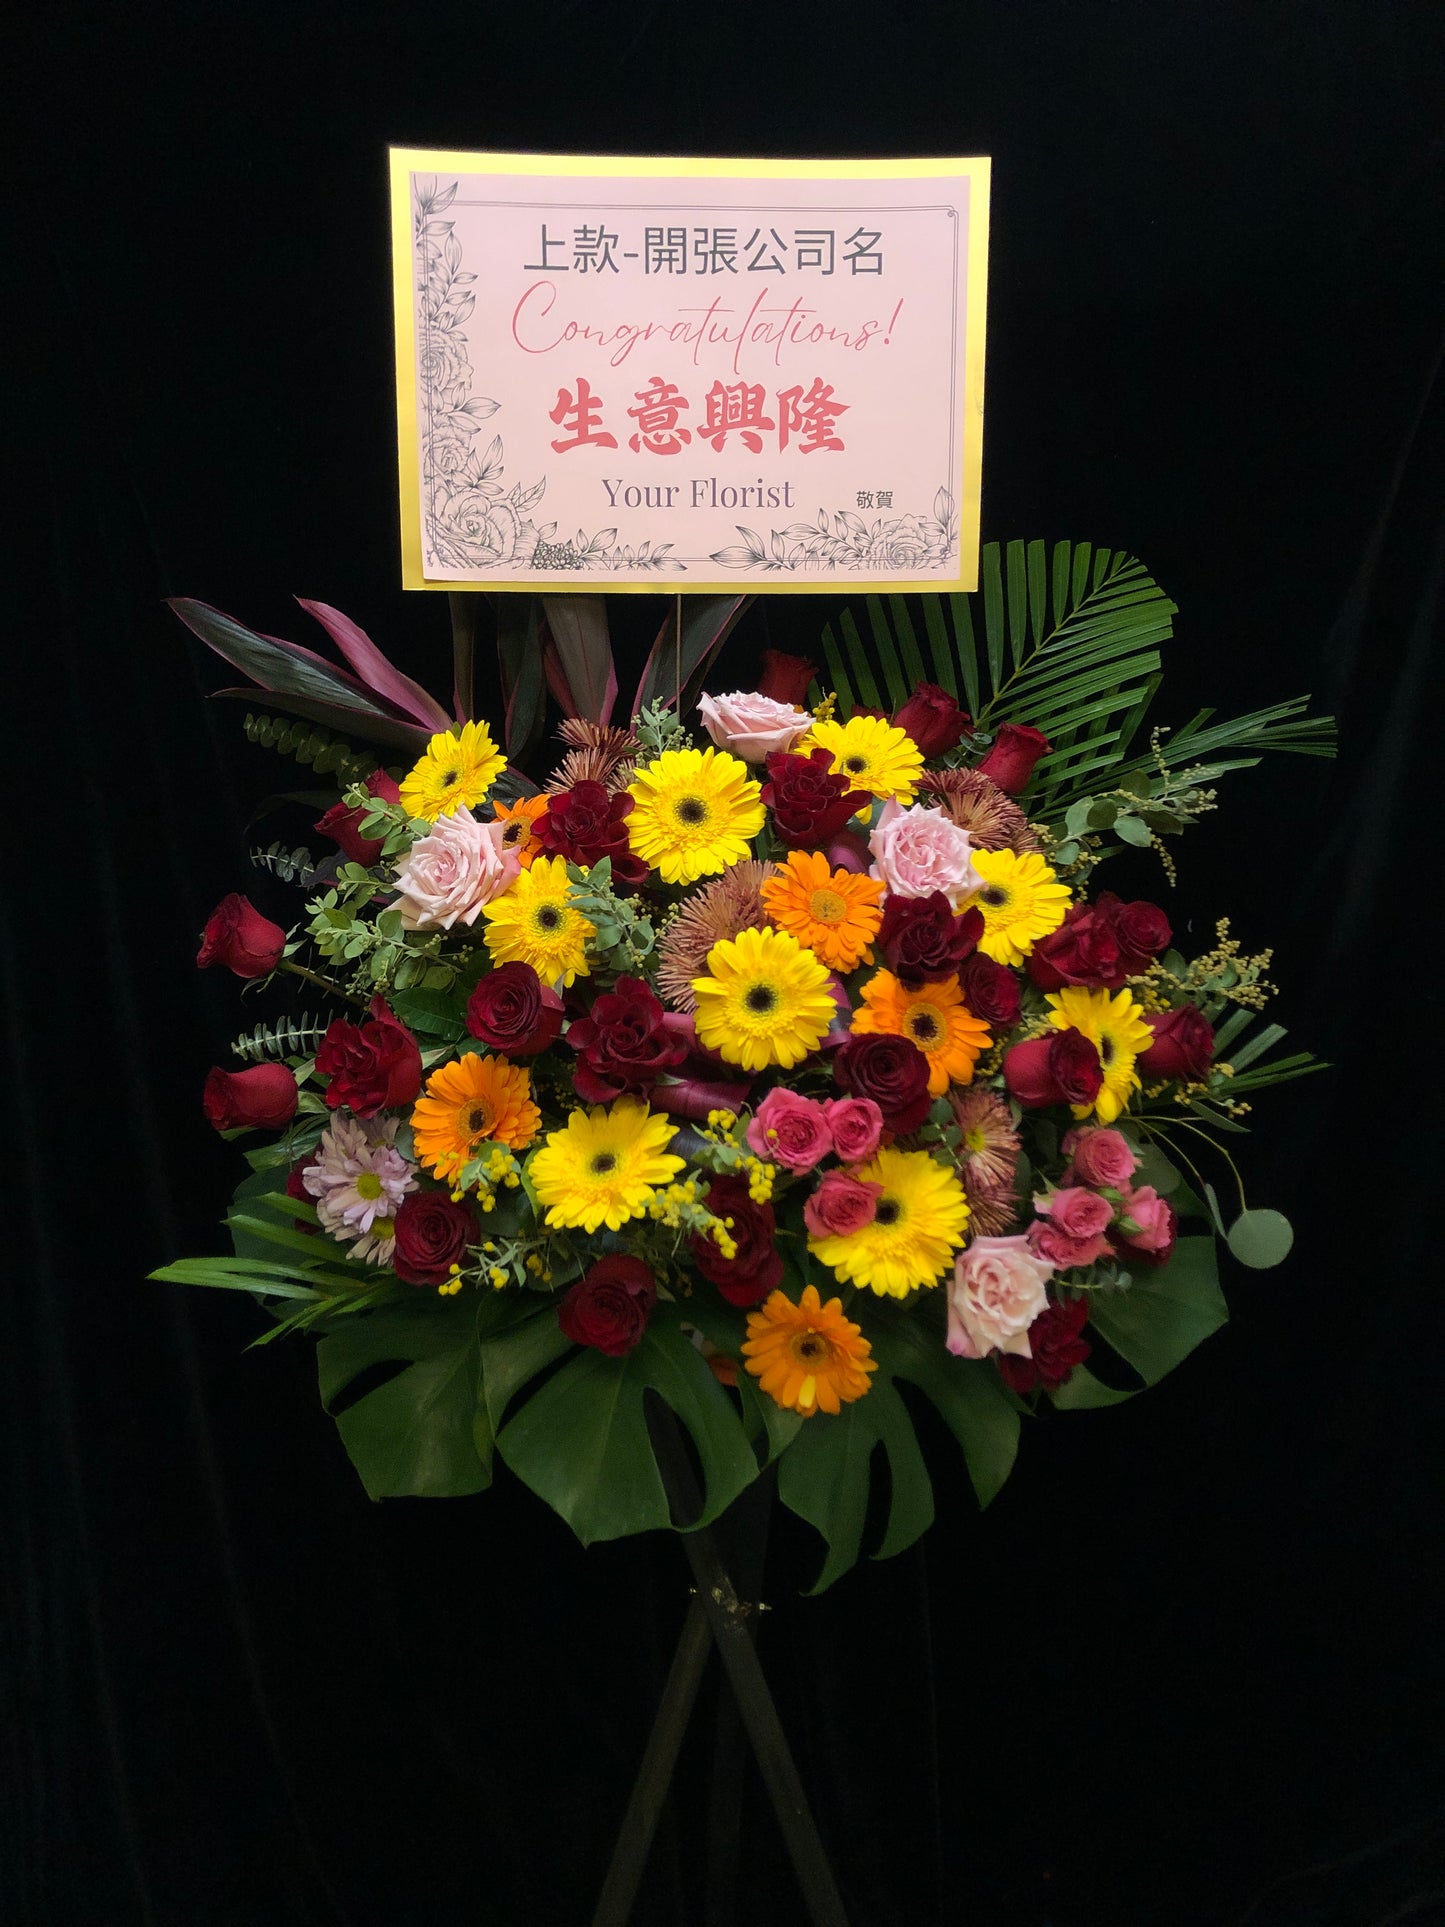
467	1103
834	913
808	1356
519	834
934	1017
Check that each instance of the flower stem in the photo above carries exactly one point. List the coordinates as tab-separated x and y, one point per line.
323	983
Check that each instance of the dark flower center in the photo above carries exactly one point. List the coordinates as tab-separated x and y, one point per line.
855	765
549	917
478	1118
1106	1050
994	895
692	810
761	999
924	1026
452	776
810	1347
887	1212
604	1162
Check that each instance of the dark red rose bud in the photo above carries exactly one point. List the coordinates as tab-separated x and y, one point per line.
343	825
809	804
1058	1345
432	1234
923	942
262	1098
514	1011
991	991
1141	931
375	1066
1083	950
757	1267
1061	1069
1183	1046
625	1043
238	936
933	719
609	1306
786	678
892	1071
585	824
1010	763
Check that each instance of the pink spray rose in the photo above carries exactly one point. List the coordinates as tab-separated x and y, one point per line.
856	1124
752	726
790	1130
1100	1157
1155	1225
1071	1227
996	1294
918	851
451	873
841	1205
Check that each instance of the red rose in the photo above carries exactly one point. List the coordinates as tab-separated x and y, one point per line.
841	1205
625	1043
1141	931
514	1011
757	1266
1061	1069
343	825
609	1306
238	936
1083	950
809	804
373	1067
586	824
262	1098
786	678
933	719
991	991
1055	1338
922	941
892	1071
432	1234
1010	763
1183	1046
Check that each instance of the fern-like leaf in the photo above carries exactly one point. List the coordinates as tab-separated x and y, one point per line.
291	866
312	746
287	1037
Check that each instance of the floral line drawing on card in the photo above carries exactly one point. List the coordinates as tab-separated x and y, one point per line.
848	542
470	519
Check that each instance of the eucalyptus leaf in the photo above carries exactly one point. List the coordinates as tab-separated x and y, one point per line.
1261	1239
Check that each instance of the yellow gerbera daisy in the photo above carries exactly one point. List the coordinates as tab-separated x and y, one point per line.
466	1103
693	812
765	1000
604	1165
520	836
874	755
934	1017
1116	1028
1021	901
832	912
453	770
808	1357
535	923
918	1225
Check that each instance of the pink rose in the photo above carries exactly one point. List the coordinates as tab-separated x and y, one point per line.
1100	1158
996	1294
752	726
856	1124
1155	1222
790	1130
1076	1223
840	1206
451	873
918	851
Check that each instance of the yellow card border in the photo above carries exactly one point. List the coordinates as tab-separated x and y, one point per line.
405	160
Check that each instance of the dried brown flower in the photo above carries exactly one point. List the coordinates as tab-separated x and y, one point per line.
978	805
720	909
598	754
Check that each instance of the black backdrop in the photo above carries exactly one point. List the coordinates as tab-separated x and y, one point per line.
1188	1667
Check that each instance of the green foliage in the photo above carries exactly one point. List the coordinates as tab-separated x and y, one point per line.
657	728
312	746
1066	641
290	866
1156	1323
581	1442
287	1037
1261	1239
624	935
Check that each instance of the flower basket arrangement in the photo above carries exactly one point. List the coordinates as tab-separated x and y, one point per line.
780	1048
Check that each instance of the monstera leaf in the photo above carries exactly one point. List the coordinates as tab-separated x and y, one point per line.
581	1441
1155	1324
